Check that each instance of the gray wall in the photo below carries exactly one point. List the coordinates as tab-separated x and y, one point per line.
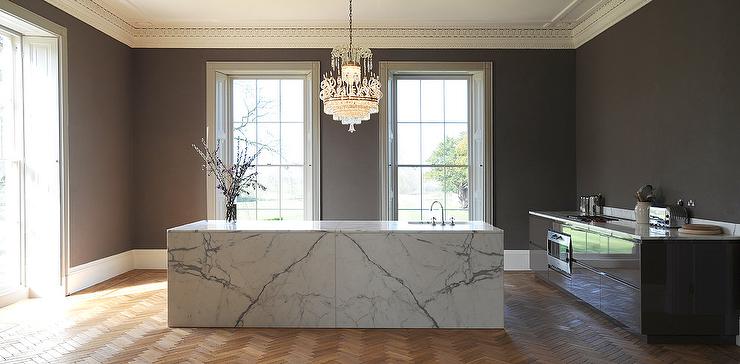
534	135
658	101
100	137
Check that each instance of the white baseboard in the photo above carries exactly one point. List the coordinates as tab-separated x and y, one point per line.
150	258
516	260
88	274
10	298
92	273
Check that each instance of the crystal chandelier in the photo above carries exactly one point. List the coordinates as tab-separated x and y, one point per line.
353	93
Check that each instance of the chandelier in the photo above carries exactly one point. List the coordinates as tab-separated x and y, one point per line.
350	91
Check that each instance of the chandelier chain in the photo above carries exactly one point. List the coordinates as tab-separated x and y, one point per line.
350	25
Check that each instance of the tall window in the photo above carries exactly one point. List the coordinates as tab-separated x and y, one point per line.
10	163
268	116
268	108
436	144
32	179
432	146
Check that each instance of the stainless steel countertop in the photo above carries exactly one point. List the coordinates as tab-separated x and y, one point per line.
630	228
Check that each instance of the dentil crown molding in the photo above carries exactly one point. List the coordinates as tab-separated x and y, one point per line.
560	35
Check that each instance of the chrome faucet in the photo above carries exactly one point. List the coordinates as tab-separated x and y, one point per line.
431	208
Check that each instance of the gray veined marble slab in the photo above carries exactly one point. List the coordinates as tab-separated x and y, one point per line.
348	276
443	280
253	280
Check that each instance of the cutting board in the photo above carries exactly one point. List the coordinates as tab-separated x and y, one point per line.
700	229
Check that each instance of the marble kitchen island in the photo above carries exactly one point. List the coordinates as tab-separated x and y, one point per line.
368	274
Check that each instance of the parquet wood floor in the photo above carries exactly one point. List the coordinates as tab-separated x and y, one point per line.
124	320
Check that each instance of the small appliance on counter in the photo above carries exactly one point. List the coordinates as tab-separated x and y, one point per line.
671	216
592	205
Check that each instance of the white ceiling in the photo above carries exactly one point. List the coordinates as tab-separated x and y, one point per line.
144	13
543	24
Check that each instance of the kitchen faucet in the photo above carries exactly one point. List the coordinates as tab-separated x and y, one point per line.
434	222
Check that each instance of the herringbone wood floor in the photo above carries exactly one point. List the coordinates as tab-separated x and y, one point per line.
124	320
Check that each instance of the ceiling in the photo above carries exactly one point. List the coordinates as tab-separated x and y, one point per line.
334	12
382	23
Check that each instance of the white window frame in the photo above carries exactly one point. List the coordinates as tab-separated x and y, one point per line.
479	131
30	25
218	126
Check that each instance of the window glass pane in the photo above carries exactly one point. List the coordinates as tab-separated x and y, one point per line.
268	215
245	136
268	100
432	148
268	139
407	101
292	214
432	100
409	188
245	214
432	186
244	100
291	100
409	137
270	197
291	143
274	124
291	192
459	215
455	184
247	200
456	100
409	215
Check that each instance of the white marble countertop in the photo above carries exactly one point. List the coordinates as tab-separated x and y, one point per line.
629	227
333	226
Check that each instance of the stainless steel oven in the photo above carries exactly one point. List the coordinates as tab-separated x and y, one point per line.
559	252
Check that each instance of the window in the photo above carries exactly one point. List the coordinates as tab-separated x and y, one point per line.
10	163
33	188
434	132
432	146
268	107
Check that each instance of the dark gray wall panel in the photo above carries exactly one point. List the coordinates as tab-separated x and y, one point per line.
534	137
658	101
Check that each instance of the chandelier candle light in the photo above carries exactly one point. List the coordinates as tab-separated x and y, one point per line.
353	94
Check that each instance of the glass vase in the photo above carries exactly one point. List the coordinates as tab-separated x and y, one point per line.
231	212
